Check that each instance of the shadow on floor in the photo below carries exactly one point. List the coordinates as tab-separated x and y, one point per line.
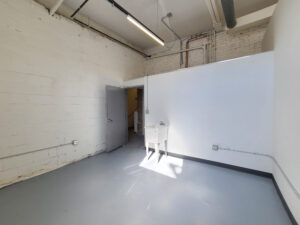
125	187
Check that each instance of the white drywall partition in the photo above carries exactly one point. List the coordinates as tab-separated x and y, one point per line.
283	36
227	103
53	74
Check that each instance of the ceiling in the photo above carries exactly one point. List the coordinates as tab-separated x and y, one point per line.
244	7
189	16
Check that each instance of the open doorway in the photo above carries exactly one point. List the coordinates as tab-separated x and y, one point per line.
135	102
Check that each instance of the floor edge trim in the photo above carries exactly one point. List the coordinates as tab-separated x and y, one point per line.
285	205
244	170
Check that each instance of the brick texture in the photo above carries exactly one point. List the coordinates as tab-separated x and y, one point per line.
228	46
53	75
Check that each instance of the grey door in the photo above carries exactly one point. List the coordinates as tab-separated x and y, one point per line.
117	128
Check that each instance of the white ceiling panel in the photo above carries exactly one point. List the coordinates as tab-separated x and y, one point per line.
189	16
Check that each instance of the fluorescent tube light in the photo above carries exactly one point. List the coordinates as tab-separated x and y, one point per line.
144	29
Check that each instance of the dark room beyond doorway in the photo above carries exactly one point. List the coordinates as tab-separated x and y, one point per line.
135	99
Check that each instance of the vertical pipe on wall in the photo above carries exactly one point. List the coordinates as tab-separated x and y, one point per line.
175	34
181	53
215	46
193	38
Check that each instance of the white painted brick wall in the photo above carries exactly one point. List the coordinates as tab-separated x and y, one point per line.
228	46
52	84
52	88
245	42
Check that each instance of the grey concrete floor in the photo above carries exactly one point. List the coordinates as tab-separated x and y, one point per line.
121	188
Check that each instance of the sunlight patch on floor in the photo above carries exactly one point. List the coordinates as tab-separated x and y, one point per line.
167	165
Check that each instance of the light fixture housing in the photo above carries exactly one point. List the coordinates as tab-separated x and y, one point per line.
137	23
145	30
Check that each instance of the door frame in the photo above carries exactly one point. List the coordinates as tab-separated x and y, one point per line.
143	113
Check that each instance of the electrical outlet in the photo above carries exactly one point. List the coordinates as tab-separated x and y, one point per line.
215	147
75	142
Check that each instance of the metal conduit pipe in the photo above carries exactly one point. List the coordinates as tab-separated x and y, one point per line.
187	46
173	53
100	32
175	34
294	188
111	38
182	51
79	8
74	142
